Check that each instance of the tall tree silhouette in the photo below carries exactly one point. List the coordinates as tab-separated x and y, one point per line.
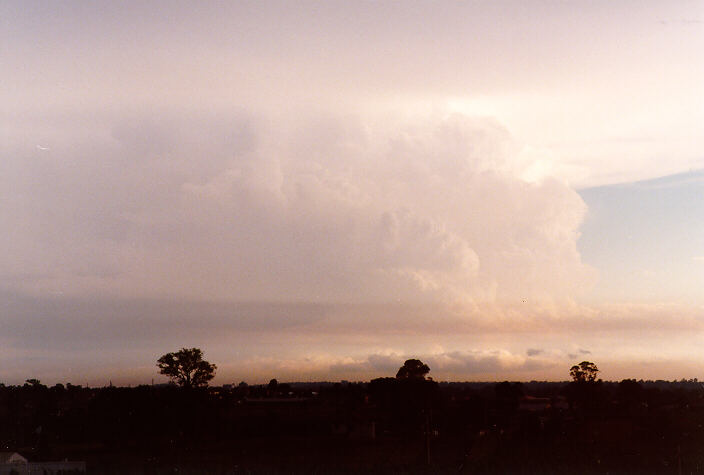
413	369
187	367
585	371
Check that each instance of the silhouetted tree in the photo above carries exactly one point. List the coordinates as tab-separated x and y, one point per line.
585	371
585	392
187	367
413	369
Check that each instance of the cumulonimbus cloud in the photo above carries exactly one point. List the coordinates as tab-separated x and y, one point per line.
429	209
428	212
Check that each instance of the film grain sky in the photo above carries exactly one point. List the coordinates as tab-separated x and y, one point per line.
320	190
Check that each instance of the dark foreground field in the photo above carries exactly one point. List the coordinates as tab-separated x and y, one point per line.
385	426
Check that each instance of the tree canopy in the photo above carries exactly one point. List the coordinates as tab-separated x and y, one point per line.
187	367
413	369
586	371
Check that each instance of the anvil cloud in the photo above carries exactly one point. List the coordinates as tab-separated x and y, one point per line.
319	191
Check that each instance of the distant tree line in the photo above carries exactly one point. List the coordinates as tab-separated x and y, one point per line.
404	423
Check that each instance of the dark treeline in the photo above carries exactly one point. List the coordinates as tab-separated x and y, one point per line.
402	424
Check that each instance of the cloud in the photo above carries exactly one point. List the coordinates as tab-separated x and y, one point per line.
446	364
484	362
337	190
378	363
157	230
331	209
62	338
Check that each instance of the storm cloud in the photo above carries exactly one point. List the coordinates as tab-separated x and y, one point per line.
224	209
303	189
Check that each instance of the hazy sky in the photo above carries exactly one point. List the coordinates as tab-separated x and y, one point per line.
320	190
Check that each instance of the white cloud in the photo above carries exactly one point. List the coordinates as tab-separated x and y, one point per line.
332	209
330	167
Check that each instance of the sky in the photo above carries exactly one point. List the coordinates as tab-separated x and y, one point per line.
321	190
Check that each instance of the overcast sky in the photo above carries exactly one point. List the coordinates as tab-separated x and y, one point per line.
320	190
